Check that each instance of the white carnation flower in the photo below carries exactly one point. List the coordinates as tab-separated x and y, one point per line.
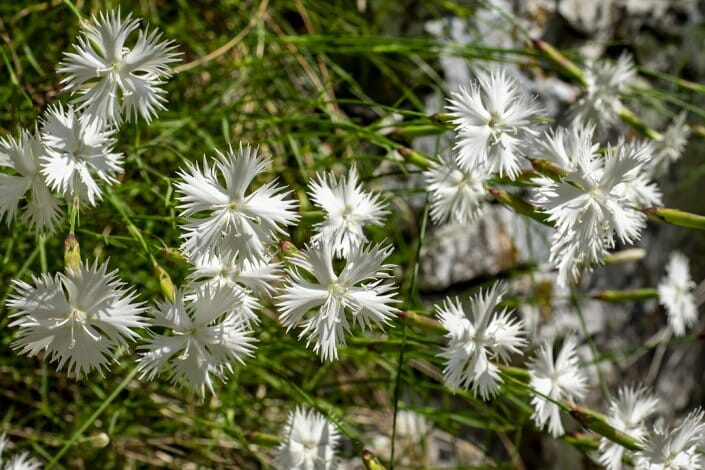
113	79
250	279
641	190
593	204
358	290
674	448
348	210
203	336
222	218
493	121
457	194
628	413
79	152
670	148
600	103
79	318
568	147
23	156
559	379
476	341
675	292
308	443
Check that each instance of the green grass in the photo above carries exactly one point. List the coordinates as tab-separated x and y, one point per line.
309	81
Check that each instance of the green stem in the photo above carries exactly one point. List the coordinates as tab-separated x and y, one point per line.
415	158
638	125
92	418
547	168
421	321
597	422
43	253
565	65
73	215
519	205
625	295
676	217
73	8
419	130
134	231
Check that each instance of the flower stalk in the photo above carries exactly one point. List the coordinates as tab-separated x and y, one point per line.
676	217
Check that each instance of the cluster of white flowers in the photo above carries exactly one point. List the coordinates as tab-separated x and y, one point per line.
232	237
230	234
72	152
493	122
594	195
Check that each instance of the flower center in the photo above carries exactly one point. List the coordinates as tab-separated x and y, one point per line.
309	444
497	129
337	290
77	315
347	214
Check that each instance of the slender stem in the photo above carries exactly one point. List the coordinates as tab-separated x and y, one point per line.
593	350
43	253
676	217
73	8
409	301
73	215
92	418
134	231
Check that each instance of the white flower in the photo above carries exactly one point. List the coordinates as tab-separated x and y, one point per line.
457	195
23	155
628	413
640	190
231	222
249	279
676	448
203	336
348	209
670	148
78	150
561	379
79	318
308	442
568	147
20	461
592	205
359	289
476	341
112	79
600	103
493	121
675	292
